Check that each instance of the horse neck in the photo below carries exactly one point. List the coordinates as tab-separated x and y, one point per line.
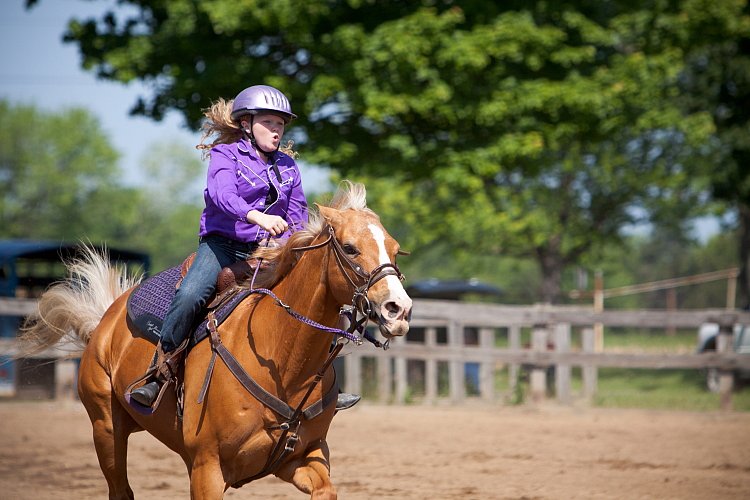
297	349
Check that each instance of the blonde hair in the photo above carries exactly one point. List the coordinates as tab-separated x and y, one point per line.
219	123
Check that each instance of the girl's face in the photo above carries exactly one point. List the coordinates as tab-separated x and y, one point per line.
267	130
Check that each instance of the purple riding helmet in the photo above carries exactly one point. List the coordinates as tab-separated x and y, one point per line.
260	98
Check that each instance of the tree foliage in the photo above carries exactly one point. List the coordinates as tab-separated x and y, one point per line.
66	186
717	79
516	128
47	175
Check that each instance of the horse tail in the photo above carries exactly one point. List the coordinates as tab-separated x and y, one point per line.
72	308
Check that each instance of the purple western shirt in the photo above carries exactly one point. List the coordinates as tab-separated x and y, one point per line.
240	181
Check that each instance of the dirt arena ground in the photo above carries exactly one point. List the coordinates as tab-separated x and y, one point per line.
421	453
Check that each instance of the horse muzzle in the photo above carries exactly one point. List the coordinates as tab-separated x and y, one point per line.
393	316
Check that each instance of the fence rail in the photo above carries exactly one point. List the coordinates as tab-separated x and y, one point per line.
722	361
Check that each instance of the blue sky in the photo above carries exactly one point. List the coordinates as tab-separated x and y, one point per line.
37	68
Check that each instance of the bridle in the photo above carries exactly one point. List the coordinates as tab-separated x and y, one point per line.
360	310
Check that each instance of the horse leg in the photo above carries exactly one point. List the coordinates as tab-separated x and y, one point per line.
112	426
206	480
311	474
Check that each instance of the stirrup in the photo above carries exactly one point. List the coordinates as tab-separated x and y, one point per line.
163	370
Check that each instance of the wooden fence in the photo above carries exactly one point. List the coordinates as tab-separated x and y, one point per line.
444	328
549	330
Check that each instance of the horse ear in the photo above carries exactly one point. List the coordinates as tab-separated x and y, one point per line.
331	215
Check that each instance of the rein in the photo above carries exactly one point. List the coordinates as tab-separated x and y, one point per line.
304	319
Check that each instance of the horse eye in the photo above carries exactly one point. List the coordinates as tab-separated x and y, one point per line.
350	249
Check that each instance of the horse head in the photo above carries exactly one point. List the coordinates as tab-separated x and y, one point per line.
363	269
361	265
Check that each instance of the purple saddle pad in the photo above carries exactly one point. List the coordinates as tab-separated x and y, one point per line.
150	301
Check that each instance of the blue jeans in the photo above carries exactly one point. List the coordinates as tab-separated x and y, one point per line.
214	253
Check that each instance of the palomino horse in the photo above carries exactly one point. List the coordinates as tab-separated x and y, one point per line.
228	438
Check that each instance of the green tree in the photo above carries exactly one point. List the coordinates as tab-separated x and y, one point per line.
67	186
49	177
516	128
718	80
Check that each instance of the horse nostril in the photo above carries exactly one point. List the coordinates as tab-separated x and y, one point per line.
393	309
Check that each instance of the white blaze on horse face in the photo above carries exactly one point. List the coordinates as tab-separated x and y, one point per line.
398	295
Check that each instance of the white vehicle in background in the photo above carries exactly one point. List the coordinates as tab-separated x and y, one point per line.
707	338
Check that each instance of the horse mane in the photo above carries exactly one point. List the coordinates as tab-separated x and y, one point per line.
278	261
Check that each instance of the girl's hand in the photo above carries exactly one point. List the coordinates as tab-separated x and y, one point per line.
274	224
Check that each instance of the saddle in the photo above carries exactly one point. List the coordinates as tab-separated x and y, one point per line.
230	276
149	303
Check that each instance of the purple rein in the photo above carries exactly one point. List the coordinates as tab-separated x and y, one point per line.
336	331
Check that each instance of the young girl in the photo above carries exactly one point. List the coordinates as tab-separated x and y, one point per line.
253	193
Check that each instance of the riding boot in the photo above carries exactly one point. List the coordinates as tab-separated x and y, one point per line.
146	394
163	369
345	400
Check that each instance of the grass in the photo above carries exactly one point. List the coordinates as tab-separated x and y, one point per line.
682	390
661	389
648	340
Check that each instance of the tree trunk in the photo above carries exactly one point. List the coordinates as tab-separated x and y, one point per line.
743	285
551	263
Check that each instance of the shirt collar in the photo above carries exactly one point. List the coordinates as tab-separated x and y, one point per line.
245	146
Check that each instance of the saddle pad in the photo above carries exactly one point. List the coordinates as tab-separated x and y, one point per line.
149	303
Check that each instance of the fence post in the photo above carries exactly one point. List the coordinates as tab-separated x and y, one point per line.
726	378
65	379
487	368
430	368
402	384
456	366
353	373
671	307
514	342
731	290
562	371
589	371
598	307
538	373
385	380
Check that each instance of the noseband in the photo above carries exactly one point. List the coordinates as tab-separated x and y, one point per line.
360	305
